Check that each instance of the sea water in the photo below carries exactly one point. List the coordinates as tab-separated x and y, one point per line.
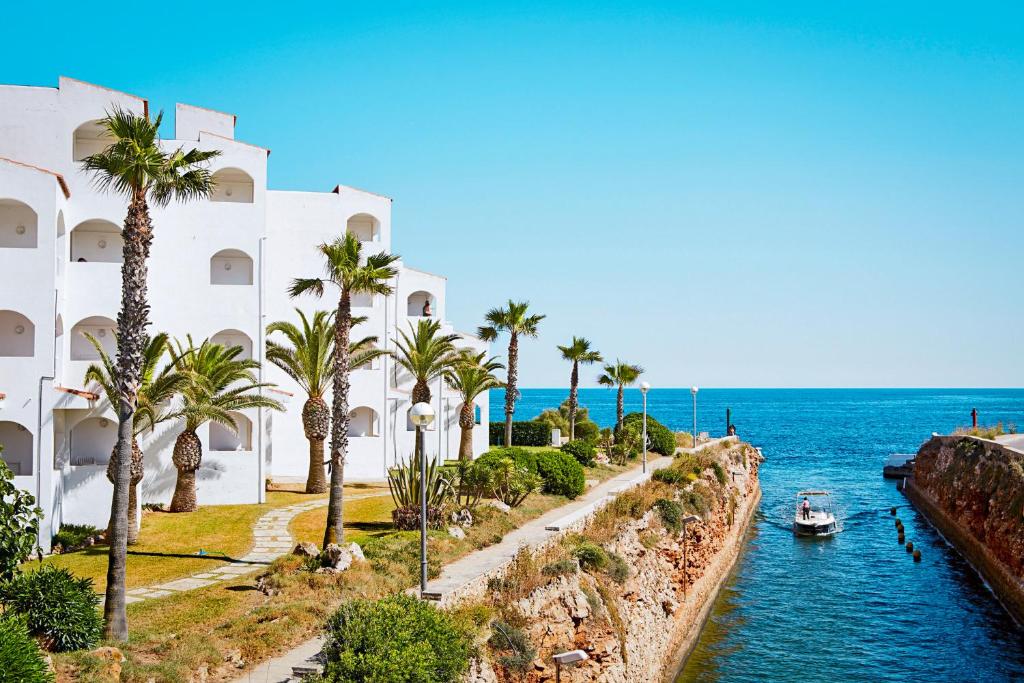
854	607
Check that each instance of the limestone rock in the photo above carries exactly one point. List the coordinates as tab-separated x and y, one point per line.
497	504
111	661
335	557
306	549
357	552
456	532
463	517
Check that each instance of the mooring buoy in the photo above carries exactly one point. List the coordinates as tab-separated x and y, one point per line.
917	556
898	523
892	511
910	546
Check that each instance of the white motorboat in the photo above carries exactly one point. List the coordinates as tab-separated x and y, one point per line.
816	517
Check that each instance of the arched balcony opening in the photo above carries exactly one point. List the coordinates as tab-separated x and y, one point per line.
410	427
223	439
230	267
19	225
92	440
17	453
231	338
90	138
102	329
363	421
232	185
17	336
96	241
365	227
421	305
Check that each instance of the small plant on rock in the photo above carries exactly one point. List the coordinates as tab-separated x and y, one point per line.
591	556
507	638
670	513
618	568
560	568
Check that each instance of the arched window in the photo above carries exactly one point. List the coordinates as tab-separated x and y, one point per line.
96	241
17	335
410	427
230	267
19	225
363	421
90	138
365	227
92	440
223	439
99	327
232	185
421	305
17	453
234	338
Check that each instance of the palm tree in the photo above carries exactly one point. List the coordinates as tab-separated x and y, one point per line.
157	388
309	360
471	377
517	323
621	375
136	166
217	383
578	352
342	269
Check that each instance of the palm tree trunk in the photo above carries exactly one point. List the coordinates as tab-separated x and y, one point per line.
335	531
133	513
510	388
316	424
466	425
316	481
574	382
618	410
184	498
131	335
187	457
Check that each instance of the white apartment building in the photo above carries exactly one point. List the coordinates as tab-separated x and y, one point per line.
219	269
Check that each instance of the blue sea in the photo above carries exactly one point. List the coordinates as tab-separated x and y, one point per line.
854	607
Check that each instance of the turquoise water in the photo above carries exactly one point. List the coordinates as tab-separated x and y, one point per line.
854	607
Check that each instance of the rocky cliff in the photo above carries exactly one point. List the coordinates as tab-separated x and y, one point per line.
637	621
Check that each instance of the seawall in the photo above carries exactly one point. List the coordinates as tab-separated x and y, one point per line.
972	491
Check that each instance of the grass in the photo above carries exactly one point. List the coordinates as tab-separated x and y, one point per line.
364	519
984	432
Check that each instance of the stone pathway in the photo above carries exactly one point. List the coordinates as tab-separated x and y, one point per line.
271	539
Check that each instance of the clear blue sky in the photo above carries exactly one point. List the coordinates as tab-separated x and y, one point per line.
808	194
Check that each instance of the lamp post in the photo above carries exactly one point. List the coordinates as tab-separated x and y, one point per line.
422	414
569	657
686	571
693	392
644	386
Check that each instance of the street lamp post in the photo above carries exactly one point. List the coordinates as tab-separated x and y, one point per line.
422	414
693	392
644	386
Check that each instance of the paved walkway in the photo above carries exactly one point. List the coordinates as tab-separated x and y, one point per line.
271	539
470	573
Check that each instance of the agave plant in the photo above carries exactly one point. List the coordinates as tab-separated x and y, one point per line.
404	481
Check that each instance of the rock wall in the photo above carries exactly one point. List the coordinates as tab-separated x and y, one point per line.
972	491
641	630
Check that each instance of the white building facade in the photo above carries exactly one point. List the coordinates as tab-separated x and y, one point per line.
219	269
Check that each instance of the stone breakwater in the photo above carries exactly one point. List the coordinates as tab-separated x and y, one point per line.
643	628
972	491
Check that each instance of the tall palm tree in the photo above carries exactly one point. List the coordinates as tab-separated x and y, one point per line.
309	360
136	166
517	323
578	353
158	387
217	383
619	375
471	377
343	269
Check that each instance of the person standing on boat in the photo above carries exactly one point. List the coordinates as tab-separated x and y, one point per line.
805	508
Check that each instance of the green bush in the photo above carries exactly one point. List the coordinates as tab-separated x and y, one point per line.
583	451
618	568
586	429
562	475
510	482
20	658
507	638
19	524
398	638
660	438
519	456
719	473
670	513
523	434
591	556
670	475
560	568
59	609
73	536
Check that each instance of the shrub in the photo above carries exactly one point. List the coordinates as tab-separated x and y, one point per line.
618	568
470	482
586	428
660	438
519	456
684	439
20	658
562	475
404	482
719	473
59	609
591	556
74	536
523	434
670	513
20	524
508	638
670	475
398	638
511	483
560	568
583	451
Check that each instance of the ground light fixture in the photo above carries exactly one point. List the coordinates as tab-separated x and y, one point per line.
644	388
570	657
422	415
693	392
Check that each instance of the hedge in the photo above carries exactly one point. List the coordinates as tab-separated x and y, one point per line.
660	438
523	434
562	474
